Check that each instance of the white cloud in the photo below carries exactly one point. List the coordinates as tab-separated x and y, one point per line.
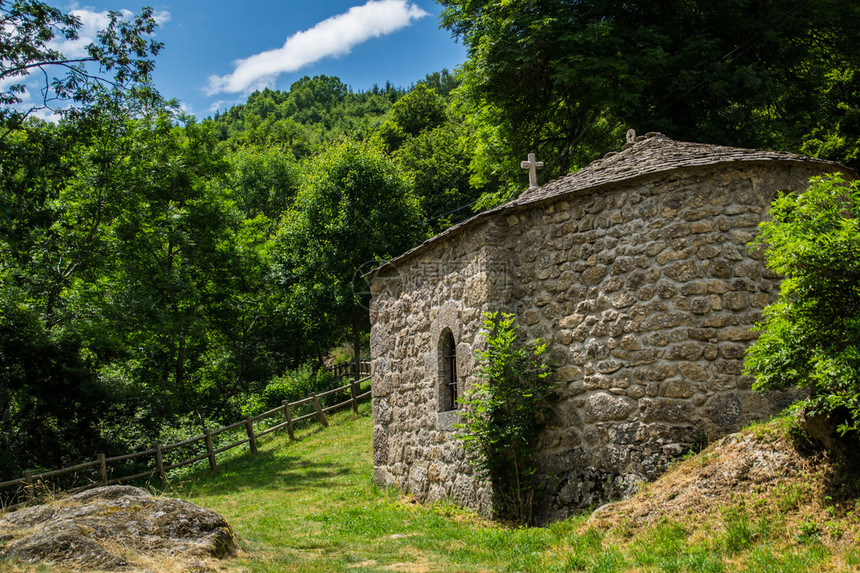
224	104
91	23
47	115
335	36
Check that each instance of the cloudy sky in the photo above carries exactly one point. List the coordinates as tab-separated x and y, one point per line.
214	57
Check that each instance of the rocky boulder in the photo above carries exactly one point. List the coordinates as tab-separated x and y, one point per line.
99	528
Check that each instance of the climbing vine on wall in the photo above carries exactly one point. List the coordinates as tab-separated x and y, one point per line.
504	415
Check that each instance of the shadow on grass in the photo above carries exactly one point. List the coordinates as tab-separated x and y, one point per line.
275	468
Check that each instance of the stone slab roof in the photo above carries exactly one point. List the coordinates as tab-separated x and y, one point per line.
650	154
653	153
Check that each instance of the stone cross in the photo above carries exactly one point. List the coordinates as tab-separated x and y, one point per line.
532	166
631	136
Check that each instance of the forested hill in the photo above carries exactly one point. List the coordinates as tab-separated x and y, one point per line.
313	112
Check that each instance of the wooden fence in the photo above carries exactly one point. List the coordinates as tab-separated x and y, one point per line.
29	481
345	370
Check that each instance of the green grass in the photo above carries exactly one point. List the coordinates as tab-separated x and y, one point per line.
309	505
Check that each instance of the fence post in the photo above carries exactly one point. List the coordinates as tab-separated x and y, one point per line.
102	468
159	464
353	393
289	418
318	408
252	439
29	490
210	451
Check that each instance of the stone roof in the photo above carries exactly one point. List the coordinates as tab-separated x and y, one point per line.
650	154
653	153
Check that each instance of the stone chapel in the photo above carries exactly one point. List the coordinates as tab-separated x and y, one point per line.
636	269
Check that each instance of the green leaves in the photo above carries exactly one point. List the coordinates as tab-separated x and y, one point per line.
353	208
503	415
811	336
30	27
566	79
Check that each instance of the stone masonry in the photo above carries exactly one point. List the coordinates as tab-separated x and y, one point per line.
636	268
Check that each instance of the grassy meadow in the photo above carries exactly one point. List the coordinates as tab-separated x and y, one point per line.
309	505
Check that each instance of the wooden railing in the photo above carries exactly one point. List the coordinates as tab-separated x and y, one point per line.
29	481
345	370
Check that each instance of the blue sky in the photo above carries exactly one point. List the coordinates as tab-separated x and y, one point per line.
216	53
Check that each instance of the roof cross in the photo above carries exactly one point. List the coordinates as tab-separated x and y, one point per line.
532	165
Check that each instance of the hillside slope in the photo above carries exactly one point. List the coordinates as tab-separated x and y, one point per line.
756	480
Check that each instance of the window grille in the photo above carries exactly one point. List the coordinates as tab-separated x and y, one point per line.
451	371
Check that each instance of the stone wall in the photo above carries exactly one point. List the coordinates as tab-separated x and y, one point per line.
647	292
448	288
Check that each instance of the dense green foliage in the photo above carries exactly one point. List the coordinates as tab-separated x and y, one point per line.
145	289
566	79
353	212
811	335
314	112
503	416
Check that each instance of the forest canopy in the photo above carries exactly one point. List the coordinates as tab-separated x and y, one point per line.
565	79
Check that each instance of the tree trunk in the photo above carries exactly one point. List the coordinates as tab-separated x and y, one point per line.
5	419
356	346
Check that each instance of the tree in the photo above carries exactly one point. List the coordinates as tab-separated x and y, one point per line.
443	83
29	27
836	136
504	414
566	79
419	110
438	161
353	210
53	404
811	336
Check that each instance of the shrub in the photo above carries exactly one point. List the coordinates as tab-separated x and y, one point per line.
811	336
503	416
295	385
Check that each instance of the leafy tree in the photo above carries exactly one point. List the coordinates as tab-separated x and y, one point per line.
353	210
29	27
565	79
315	112
438	161
263	182
418	110
51	405
836	136
146	284
504	413
443	83
811	336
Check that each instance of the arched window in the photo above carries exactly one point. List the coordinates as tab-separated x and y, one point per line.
448	387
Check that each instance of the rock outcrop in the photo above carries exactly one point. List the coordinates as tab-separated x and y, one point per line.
89	529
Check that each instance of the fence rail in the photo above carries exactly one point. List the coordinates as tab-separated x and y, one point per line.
30	480
346	370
